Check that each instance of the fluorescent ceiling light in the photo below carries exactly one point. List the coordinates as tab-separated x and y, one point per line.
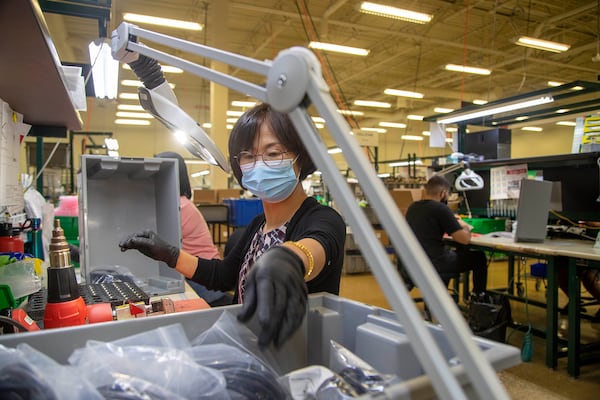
229	126
318	119
415	117
404	163
369	103
522	118
207	125
451	129
449	140
378	130
392	124
411	137
334	150
231	120
542	44
532	128
105	70
350	112
238	103
443	110
480	102
164	68
131	114
495	110
336	48
135	83
231	113
403	93
562	110
172	23
467	69
384	175
200	173
566	123
120	121
129	96
318	125
130	107
554	83
394	12
191	162
426	133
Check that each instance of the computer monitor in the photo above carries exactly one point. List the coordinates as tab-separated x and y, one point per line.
532	211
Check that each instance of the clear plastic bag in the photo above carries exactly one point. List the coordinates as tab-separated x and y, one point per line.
228	330
27	373
247	377
158	361
357	372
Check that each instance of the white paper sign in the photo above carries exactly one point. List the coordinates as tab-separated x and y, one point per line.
505	182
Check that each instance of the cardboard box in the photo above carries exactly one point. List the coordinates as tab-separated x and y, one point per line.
121	196
373	334
405	197
223	194
204	196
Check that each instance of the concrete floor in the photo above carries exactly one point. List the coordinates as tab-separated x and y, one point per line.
529	380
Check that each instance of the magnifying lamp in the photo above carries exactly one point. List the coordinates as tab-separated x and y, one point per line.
467	180
157	97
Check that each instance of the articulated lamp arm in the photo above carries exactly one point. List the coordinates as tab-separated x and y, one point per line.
293	79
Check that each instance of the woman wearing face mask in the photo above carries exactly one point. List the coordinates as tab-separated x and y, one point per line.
295	247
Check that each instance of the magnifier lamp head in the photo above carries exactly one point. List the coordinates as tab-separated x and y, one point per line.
468	180
197	141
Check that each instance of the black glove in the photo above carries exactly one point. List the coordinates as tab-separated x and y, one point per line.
149	244
276	291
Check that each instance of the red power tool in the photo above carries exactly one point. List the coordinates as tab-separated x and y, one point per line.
65	306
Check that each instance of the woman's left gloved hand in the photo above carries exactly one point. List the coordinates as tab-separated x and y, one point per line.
276	292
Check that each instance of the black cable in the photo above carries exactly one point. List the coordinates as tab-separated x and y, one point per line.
12	322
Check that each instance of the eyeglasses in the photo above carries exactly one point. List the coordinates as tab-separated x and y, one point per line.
271	158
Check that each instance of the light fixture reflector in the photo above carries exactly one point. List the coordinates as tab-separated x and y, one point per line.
403	93
467	69
336	48
496	110
411	137
370	103
171	23
541	44
392	124
394	12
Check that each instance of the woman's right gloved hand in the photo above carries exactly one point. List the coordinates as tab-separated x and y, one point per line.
151	245
275	291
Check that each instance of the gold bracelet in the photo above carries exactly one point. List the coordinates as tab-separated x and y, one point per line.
307	253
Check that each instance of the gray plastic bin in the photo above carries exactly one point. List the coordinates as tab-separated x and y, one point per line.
120	196
370	332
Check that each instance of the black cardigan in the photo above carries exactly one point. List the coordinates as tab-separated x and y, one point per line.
312	220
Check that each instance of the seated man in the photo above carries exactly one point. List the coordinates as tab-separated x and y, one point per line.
430	218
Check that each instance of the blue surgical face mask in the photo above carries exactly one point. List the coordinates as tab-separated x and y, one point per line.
272	184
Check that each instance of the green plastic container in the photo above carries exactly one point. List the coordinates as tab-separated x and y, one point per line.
486	225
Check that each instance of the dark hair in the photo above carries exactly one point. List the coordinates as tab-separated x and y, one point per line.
247	127
185	188
436	184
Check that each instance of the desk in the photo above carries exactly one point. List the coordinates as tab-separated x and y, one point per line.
570	254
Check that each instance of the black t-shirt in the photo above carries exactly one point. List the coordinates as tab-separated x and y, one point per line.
430	220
